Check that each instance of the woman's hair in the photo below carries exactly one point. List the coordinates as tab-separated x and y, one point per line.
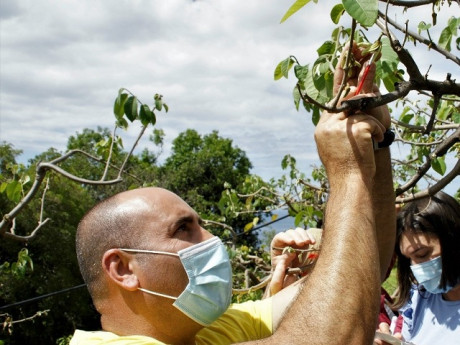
438	215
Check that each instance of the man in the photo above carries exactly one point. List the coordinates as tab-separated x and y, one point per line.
156	276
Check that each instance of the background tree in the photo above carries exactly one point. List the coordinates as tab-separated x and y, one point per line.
429	124
198	170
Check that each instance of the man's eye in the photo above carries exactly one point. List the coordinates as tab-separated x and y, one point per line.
182	227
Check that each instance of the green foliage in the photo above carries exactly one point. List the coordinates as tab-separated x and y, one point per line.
449	32
127	104
421	126
20	267
64	340
13	181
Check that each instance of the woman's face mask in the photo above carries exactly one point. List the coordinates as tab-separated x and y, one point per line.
209	291
428	274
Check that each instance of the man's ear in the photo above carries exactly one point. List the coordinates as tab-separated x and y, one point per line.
119	268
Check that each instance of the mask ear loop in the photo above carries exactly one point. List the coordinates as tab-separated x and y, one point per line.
156	293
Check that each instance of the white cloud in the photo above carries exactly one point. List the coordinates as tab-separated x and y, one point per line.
62	63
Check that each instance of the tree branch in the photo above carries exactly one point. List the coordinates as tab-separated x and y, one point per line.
432	190
429	43
409	3
441	150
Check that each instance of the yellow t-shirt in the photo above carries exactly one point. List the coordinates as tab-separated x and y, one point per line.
241	322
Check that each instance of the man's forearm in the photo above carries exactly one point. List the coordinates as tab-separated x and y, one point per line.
384	209
345	281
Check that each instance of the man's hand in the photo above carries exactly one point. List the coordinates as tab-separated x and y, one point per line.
369	89
345	144
357	130
282	260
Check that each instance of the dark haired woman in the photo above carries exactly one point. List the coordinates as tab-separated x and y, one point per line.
428	250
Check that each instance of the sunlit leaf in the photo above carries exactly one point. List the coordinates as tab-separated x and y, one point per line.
282	70
363	11
13	191
294	8
439	165
248	227
3	187
337	12
422	26
444	111
447	34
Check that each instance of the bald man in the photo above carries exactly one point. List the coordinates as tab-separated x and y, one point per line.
157	276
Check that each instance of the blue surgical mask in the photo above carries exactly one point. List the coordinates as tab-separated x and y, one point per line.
428	274
209	290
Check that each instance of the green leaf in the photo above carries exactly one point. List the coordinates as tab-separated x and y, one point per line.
311	87
146	115
337	12
406	118
444	111
131	108
158	104
301	72
294	8
248	227
447	34
282	70
122	123
439	165
297	98
316	115
456	116
298	218
445	39
422	26
387	66
363	11
327	47
118	107
13	191
3	187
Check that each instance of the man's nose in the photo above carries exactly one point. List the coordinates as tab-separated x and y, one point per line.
205	234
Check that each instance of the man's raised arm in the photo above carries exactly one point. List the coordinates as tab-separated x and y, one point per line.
338	302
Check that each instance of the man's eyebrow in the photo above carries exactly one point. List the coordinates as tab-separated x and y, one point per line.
187	219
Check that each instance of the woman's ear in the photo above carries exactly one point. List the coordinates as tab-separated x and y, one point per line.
119	269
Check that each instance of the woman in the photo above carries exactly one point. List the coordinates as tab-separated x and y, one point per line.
428	250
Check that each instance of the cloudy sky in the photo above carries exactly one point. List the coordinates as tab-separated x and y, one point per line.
62	63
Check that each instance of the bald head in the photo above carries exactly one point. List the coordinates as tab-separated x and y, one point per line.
121	221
